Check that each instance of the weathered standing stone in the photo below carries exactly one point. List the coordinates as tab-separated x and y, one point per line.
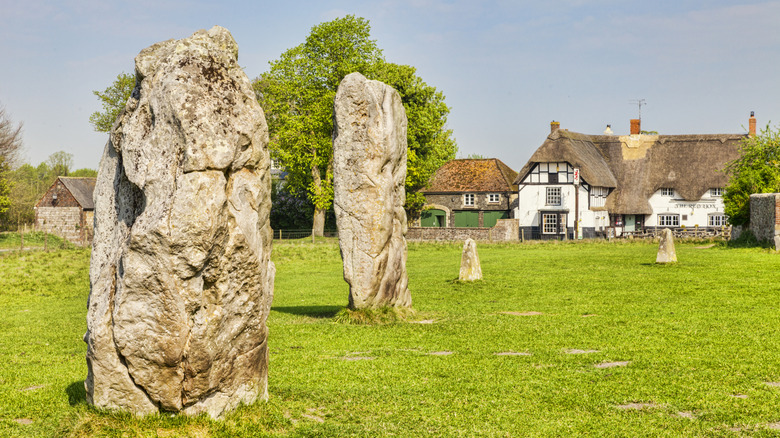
666	252
181	280
369	172
470	269
777	242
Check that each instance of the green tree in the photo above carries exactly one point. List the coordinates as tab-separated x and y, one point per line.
297	95
83	173
113	100
10	147
59	163
757	170
5	186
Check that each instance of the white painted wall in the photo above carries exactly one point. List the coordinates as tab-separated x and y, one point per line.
691	213
533	198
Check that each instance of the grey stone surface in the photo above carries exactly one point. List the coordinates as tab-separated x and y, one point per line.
765	216
470	268
181	280
369	172
666	252
777	243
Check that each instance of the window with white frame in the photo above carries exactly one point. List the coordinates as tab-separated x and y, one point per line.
549	223
716	191
276	164
668	220
493	198
667	191
468	199
716	220
598	196
553	196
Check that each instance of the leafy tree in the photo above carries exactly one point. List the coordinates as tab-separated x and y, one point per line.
83	173
113	100
60	163
757	170
5	186
297	95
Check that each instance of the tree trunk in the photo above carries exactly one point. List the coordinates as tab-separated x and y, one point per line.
318	226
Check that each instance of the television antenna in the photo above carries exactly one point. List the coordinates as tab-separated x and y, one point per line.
638	102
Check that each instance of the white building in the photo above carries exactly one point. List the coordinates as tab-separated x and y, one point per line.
600	184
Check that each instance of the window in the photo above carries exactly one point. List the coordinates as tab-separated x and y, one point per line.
666	191
468	199
717	191
598	196
668	220
549	223
716	220
493	198
553	196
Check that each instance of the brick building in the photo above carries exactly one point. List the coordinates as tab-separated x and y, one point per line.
67	210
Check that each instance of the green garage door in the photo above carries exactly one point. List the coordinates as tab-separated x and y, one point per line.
433	218
489	218
467	219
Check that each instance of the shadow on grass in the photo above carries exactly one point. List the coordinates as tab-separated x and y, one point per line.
77	394
310	311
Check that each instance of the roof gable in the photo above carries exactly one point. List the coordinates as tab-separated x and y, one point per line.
472	175
81	189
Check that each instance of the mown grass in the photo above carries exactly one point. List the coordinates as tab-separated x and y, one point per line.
701	339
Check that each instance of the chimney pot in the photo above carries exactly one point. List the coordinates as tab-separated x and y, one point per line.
752	125
636	126
554	126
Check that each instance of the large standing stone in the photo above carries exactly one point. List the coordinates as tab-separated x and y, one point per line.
369	172
181	280
666	252
470	269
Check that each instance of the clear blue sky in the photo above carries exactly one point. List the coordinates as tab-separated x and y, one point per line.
507	68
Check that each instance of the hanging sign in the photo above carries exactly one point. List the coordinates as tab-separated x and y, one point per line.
576	176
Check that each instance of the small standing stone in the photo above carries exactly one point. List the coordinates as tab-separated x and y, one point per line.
470	269
777	243
369	173
666	252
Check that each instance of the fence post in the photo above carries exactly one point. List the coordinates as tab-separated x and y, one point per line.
45	241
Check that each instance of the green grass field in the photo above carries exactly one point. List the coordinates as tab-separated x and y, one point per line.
597	340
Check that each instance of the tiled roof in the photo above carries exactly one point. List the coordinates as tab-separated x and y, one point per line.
81	189
472	175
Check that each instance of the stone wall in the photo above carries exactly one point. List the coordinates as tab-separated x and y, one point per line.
505	230
65	222
765	215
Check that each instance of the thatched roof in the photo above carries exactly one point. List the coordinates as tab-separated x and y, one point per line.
579	151
81	189
640	165
472	175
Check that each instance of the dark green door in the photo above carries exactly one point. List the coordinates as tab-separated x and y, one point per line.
467	219
489	218
433	218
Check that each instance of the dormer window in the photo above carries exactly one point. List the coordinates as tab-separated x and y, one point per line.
667	191
716	191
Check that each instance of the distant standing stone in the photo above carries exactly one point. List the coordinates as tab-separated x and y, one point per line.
777	243
666	252
181	280
369	173
470	269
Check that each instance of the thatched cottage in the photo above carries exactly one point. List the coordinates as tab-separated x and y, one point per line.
66	209
469	193
600	184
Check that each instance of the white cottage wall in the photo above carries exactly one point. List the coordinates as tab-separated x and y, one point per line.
690	213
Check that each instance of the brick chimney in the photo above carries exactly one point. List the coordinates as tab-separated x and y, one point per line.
635	126
554	126
752	125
